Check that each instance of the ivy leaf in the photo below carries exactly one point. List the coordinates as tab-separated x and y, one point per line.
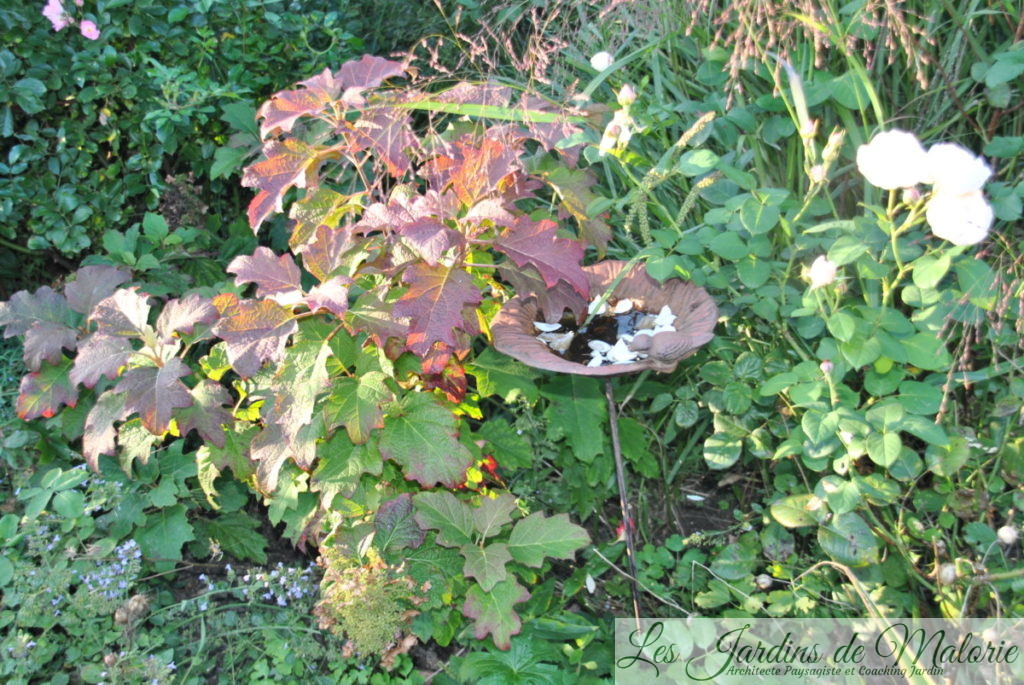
332	295
443	512
165	533
434	303
276	276
498	374
486	564
206	415
492	514
100	355
255	332
356	404
394	525
493	611
154	392
537	536
124	314
100	436
536	244
46	341
183	314
43	392
288	163
325	254
577	407
93	284
422	436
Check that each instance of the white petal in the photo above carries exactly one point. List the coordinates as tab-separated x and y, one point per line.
596	360
960	219
665	329
599	346
597	307
646	331
955	170
665	317
621	353
546	327
623	306
893	159
601	60
822	272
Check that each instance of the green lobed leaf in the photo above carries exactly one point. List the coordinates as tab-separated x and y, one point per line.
492	611
537	536
577	412
356	404
395	526
486	564
492	514
452	518
422	436
498	374
165	533
238	534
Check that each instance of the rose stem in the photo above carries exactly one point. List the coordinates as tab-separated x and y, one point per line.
620	477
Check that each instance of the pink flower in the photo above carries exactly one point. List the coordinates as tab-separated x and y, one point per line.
89	30
54	11
79	3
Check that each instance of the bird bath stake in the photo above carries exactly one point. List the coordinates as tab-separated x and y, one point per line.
634	324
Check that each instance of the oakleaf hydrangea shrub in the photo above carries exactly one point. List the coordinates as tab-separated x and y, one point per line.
337	389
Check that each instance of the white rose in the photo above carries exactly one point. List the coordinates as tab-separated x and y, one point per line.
601	60
893	159
822	272
960	219
955	170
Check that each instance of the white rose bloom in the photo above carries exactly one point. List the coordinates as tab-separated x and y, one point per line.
822	272
893	159
960	219
601	60
955	170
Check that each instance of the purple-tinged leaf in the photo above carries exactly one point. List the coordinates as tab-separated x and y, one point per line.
481	170
208	413
368	72
331	295
124	314
25	309
430	238
553	302
255	332
395	527
283	109
45	391
93	284
536	244
45	340
434	303
377	319
486	564
326	253
388	133
288	163
100	355
549	134
489	94
155	392
422	436
490	210
493	613
270	451
100	436
182	316
276	276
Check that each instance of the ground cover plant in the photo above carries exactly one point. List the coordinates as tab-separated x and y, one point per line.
848	444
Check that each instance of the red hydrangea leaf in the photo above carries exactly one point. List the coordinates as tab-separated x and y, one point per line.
368	72
387	132
183	314
276	276
124	314
321	208
395	527
25	309
451	380
288	163
325	254
538	536
92	284
482	169
331	295
486	564
368	314
100	355
574	188
45	391
493	613
430	238
355	403
493	210
422	436
100	435
283	109
255	332
45	340
207	414
434	303
155	392
536	244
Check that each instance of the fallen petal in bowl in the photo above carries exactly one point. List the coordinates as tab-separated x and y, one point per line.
694	311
